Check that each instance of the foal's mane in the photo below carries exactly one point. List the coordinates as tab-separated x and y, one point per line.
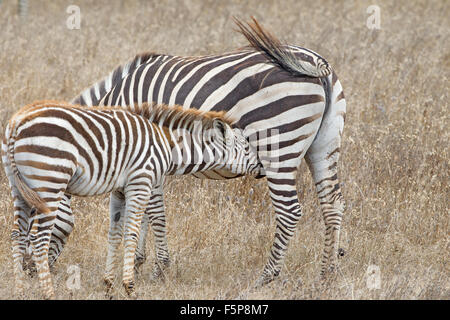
162	112
154	112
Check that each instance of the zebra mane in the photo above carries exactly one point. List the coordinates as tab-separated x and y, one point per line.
164	114
158	113
309	64
96	91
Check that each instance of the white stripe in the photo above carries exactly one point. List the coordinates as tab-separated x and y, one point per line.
234	82
271	94
193	71
164	81
210	74
142	78
155	77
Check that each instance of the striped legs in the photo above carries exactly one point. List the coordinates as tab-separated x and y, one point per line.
322	158
332	207
132	204
283	193
18	239
115	234
64	223
156	216
136	202
40	234
324	171
37	227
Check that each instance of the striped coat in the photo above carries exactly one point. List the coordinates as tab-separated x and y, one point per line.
52	148
287	99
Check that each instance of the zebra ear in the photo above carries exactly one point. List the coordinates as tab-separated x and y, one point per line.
223	130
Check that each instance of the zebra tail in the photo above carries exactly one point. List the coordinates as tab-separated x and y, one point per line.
260	39
29	195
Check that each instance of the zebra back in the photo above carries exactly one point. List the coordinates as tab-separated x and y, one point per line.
92	95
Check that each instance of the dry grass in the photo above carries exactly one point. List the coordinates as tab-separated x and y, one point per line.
394	165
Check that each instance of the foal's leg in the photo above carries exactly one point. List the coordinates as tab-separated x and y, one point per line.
136	199
64	223
40	234
157	218
115	234
19	243
63	227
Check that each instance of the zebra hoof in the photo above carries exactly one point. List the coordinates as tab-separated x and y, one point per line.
158	273
265	279
129	288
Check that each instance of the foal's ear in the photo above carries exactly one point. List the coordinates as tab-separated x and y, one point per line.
223	130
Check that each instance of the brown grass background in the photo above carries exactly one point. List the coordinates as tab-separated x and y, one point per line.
395	154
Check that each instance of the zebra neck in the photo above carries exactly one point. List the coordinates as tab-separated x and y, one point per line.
193	150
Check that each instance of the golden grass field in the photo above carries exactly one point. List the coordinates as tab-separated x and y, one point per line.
395	154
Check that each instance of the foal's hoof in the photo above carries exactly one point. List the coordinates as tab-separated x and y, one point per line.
158	273
138	265
265	279
129	288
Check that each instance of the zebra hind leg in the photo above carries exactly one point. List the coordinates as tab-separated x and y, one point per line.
19	246
332	207
62	229
64	223
283	192
40	233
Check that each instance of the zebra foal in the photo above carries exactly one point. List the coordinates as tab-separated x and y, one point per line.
51	148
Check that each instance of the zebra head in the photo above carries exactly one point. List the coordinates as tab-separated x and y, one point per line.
238	155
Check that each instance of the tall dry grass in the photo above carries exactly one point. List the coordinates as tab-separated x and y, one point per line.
395	154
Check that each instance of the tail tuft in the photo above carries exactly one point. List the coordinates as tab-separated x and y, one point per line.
30	196
309	64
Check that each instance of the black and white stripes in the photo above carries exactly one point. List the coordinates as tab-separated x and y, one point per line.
52	148
287	99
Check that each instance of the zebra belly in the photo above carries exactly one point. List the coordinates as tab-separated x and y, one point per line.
83	185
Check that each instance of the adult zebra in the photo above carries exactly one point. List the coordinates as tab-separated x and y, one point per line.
267	87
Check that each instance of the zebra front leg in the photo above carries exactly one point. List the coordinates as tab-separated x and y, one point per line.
136	202
141	254
157	218
283	193
115	234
